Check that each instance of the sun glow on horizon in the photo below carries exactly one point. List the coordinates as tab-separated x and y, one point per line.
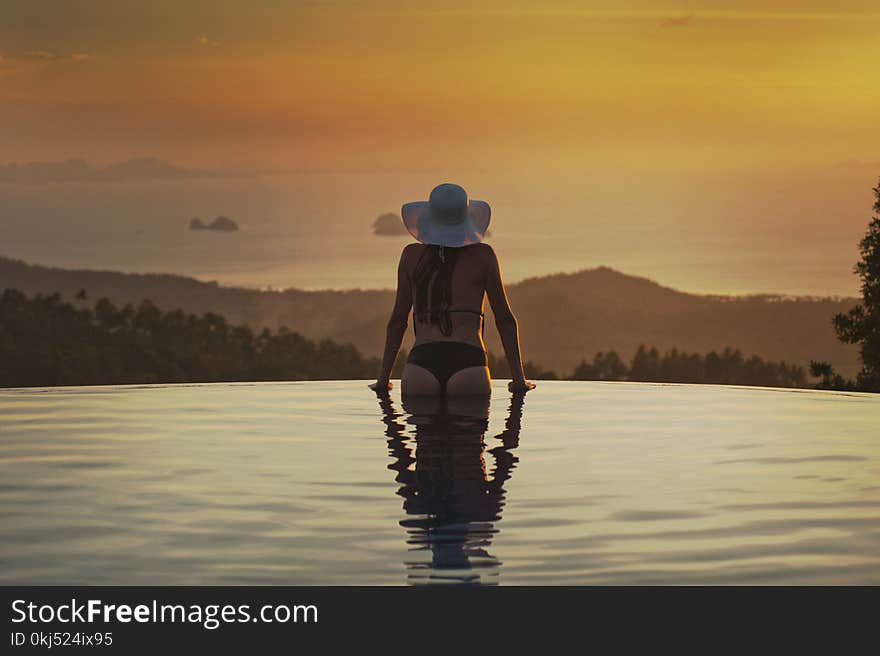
755	120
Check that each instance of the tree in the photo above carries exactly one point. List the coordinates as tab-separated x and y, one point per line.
45	341
645	365
830	379
861	325
605	366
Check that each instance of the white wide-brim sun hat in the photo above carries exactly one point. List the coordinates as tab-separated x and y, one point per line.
447	218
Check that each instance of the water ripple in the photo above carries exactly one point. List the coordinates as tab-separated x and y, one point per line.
322	483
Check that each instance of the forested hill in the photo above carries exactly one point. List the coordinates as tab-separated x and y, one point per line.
563	317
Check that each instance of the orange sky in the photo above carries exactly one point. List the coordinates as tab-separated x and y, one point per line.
539	94
691	83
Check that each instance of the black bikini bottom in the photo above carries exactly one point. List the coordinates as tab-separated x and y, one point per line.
443	359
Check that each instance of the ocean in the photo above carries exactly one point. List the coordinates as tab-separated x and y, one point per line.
314	230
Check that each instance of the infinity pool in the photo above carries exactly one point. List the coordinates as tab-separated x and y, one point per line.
324	483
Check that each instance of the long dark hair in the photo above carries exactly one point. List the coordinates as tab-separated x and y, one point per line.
432	280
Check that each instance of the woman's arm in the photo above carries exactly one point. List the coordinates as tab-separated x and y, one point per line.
506	323
397	325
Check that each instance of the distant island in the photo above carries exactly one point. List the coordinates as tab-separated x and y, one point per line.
220	224
389	225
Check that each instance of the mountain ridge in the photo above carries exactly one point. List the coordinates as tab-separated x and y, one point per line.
563	317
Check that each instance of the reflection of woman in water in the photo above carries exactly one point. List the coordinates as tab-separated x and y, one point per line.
443	279
451	499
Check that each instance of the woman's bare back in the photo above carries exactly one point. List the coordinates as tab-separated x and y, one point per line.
468	288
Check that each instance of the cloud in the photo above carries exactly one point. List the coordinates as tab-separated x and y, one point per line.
78	170
45	55
49	56
389	225
207	42
859	164
678	21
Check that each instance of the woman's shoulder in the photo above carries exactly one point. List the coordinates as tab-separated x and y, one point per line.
485	251
412	250
410	255
482	256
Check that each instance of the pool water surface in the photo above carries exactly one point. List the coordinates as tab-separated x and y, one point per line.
324	483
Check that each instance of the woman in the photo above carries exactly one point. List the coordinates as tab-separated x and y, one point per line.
443	279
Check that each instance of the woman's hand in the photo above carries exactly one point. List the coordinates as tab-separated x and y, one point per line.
381	387
520	386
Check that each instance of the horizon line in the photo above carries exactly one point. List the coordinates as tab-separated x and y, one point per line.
769	296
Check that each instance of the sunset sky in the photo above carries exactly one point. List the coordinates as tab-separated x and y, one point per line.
648	98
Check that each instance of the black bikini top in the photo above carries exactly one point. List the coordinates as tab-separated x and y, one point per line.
448	310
